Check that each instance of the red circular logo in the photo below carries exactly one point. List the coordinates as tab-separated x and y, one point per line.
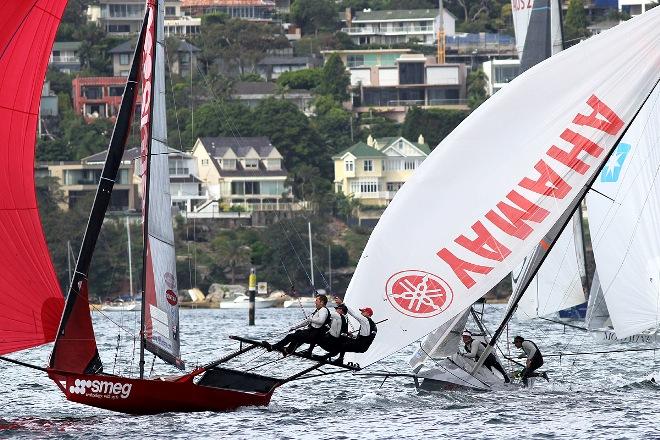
418	294
171	297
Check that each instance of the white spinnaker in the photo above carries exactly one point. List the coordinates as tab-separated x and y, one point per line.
401	275
557	284
442	342
625	234
161	296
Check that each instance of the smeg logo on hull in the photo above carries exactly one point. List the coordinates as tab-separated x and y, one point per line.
101	388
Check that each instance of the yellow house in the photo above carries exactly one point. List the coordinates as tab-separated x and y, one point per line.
374	171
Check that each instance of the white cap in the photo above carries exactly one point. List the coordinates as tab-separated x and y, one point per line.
467	333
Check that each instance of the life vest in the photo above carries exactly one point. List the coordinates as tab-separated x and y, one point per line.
537	354
344	325
372	332
326	325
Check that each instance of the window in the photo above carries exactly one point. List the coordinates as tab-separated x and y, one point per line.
205	161
364	186
368	165
410	164
170	10
116	90
411	73
390	164
123	73
123	59
119	28
252	188
228	164
251	164
92	92
349	165
237	188
394	186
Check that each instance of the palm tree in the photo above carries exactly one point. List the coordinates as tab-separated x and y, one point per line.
231	253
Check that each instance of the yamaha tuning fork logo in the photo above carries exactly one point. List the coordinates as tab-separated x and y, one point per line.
418	294
101	388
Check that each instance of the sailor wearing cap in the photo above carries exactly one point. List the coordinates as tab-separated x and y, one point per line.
367	331
474	349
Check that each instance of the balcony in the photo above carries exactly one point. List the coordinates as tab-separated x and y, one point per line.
388	30
65	59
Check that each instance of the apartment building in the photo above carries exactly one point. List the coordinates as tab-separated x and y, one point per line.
183	58
499	73
98	97
254	10
124	17
397	27
65	56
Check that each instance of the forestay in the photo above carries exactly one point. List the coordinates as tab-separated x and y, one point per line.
623	221
497	184
161	314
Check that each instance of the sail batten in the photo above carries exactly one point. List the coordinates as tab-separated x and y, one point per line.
419	271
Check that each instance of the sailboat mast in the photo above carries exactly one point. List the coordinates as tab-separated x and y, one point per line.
311	258
130	262
146	126
567	217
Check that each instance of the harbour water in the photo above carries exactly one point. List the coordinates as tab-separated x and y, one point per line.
608	396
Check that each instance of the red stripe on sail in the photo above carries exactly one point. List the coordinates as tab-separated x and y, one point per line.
31	301
76	346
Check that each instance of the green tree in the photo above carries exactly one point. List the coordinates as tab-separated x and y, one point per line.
335	79
333	123
575	22
433	124
314	15
306	79
476	88
240	44
231	253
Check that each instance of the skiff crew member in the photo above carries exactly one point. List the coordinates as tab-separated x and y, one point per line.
338	334
474	349
317	325
366	333
534	358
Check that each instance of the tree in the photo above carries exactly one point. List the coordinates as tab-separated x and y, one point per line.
333	123
476	88
433	124
232	253
335	79
240	44
306	79
314	15
575	22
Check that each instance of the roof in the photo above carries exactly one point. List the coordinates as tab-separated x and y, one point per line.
404	14
254	88
218	146
360	150
129	155
385	142
67	45
129	47
289	61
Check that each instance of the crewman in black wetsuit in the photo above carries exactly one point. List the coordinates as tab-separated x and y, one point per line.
366	333
318	323
474	349
534	358
333	341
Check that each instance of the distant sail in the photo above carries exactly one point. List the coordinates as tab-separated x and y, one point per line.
623	219
31	300
597	314
490	192
557	285
161	293
538	30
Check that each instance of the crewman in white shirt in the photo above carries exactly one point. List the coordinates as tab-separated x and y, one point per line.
534	358
474	349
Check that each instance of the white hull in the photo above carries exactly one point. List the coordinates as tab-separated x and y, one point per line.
455	373
125	307
607	336
244	303
306	302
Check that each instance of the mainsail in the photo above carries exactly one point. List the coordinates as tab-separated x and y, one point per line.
492	189
623	215
160	299
31	301
597	314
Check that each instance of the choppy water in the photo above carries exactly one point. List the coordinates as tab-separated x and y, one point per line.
604	397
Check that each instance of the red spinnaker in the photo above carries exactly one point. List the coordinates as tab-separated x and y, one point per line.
30	297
